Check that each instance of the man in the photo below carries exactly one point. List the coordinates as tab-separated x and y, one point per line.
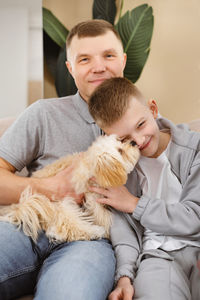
46	130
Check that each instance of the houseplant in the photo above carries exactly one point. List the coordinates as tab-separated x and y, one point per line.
135	28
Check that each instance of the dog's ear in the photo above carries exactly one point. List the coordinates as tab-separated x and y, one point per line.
109	172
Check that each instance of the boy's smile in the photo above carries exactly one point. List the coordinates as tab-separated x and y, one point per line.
139	124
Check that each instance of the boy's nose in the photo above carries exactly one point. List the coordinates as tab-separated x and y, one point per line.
139	140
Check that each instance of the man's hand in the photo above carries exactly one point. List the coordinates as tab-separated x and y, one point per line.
118	197
59	186
123	291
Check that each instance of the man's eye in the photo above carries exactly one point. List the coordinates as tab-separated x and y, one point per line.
85	59
109	55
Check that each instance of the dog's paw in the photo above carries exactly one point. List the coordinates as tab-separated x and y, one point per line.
97	232
92	232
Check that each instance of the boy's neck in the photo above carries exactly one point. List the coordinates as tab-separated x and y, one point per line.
164	141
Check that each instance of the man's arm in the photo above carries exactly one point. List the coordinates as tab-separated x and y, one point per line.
55	187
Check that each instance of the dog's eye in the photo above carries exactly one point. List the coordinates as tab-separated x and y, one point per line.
133	143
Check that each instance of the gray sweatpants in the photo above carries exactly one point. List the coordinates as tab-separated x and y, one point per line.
173	275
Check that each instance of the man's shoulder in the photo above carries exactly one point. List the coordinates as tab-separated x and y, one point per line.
67	100
54	105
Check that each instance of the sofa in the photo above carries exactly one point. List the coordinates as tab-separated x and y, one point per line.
6	122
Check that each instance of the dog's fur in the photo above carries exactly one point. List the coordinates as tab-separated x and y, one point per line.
108	160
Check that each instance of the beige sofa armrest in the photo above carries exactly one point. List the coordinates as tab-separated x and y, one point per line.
195	125
5	123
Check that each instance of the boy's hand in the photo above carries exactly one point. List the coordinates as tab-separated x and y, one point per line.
118	197
123	291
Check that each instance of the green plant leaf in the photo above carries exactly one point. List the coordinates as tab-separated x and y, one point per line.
54	28
51	51
64	82
104	9
135	29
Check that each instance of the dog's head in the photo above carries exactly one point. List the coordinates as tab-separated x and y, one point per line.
109	160
112	160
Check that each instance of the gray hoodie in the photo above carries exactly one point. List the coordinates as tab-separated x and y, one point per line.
180	220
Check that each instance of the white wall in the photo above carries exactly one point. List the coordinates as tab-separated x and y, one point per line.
21	52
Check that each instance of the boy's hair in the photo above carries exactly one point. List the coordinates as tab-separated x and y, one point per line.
110	100
91	28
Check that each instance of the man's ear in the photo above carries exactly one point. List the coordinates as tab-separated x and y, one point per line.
69	67
153	108
109	172
125	60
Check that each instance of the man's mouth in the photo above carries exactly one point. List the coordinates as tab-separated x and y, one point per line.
97	80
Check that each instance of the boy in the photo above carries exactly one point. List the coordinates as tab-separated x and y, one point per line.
156	226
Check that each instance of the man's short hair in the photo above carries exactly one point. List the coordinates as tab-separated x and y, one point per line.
110	100
91	28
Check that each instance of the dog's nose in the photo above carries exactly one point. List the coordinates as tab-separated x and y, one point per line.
133	143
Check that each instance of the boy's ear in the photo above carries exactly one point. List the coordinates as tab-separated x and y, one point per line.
109	172
153	107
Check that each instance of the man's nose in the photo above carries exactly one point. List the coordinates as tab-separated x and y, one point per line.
98	65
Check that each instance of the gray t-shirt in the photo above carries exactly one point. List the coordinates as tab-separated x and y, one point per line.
47	130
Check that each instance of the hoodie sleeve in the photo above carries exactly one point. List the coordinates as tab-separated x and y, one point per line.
179	220
126	246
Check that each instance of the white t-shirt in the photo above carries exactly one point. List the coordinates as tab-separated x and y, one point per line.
158	181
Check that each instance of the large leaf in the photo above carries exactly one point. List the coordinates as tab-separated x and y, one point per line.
65	84
104	9
54	28
135	29
51	51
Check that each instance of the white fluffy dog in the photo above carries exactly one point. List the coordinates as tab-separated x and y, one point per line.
109	160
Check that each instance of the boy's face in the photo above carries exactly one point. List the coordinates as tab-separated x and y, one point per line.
91	60
138	123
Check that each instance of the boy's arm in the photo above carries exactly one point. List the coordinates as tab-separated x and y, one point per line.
126	246
179	219
124	290
123	236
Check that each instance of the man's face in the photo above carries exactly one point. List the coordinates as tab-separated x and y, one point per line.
138	124
91	60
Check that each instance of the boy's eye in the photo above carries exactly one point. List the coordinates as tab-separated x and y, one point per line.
140	124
